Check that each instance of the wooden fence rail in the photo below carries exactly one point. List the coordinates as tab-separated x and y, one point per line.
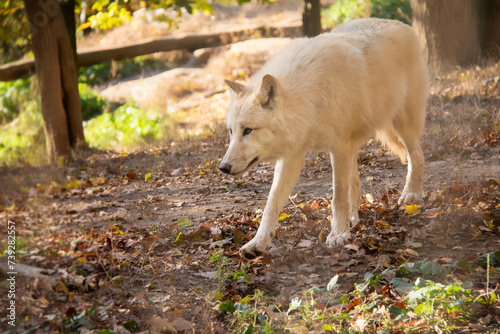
24	68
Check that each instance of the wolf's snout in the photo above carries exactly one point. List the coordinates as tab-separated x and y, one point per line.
225	167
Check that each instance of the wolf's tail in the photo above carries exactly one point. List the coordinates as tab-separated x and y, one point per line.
391	139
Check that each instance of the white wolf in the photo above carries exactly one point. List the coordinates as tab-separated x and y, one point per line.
330	93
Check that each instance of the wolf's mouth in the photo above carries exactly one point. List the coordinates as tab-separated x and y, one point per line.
252	162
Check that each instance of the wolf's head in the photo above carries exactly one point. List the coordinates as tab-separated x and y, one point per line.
250	121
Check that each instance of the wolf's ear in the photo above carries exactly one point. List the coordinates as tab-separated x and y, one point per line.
268	91
234	87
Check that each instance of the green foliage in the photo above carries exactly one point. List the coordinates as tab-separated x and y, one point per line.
392	9
21	140
108	15
13	96
14	31
20	243
424	267
242	275
494	260
86	319
92	104
248	314
429	299
125	128
95	74
102	73
224	272
347	10
344	11
370	280
425	306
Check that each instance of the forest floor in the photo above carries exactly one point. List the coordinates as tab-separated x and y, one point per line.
134	233
148	241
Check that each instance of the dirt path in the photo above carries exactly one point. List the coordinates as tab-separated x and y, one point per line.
102	221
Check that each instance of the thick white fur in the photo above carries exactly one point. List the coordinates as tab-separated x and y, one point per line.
331	93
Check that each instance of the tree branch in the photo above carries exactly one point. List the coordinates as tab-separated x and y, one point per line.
24	68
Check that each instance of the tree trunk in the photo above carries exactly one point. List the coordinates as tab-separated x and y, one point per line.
311	18
57	78
448	31
456	32
491	36
68	11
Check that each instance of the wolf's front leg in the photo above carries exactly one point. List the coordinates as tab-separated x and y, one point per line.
342	169
286	175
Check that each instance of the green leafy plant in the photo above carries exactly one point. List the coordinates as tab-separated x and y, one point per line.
13	97
223	270
109	15
430	300
242	275
370	280
23	140
127	127
102	73
392	9
344	11
250	314
424	267
92	104
85	319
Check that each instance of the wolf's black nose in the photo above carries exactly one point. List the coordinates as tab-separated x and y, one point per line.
225	167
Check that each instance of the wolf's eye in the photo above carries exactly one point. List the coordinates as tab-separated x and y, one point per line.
247	131
230	131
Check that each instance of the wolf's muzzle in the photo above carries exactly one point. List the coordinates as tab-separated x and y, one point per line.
225	167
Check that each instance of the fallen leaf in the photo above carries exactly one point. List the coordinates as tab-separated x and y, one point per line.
180	238
360	324
182	324
369	198
353	303
131	175
117	281
412	209
184	222
382	224
305	243
283	216
352	247
178	172
411	252
72	185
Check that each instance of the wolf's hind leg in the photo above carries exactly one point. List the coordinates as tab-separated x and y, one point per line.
412	192
409	130
286	175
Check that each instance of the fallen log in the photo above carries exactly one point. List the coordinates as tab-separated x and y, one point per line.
25	68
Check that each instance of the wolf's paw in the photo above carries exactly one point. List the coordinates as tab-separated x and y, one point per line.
354	219
251	250
334	240
410	198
